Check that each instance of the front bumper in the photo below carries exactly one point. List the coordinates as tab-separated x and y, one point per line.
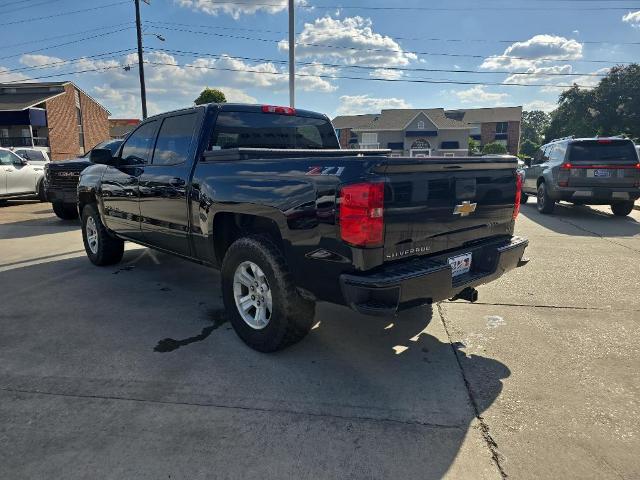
62	196
421	281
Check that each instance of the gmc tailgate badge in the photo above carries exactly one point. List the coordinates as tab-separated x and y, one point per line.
465	208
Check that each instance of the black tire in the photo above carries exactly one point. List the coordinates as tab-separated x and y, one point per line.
291	316
545	203
107	250
65	211
523	198
622	209
42	192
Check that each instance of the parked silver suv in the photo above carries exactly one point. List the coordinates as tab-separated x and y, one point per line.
584	171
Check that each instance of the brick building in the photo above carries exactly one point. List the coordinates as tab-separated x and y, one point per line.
56	117
120	127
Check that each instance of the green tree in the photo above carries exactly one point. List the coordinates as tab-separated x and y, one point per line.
494	149
534	125
529	148
574	115
210	95
474	147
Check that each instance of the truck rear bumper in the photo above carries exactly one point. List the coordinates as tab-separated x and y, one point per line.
422	281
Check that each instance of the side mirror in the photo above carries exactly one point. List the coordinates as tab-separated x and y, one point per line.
20	162
102	156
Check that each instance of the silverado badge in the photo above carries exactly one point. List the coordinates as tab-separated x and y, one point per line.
465	208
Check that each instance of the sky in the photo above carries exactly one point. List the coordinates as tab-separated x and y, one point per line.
352	56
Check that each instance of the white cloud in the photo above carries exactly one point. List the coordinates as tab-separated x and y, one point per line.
587	81
535	51
352	40
7	76
386	73
540	105
541	75
478	95
38	60
246	7
632	18
359	104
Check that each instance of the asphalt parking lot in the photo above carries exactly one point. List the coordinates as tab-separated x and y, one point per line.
131	371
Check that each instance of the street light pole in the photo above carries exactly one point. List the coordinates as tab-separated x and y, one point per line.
292	56
143	89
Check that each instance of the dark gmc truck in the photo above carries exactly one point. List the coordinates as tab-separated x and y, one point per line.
264	194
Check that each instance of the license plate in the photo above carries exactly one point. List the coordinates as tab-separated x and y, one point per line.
460	264
601	173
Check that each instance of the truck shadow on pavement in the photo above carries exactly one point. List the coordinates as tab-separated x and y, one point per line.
582	220
377	397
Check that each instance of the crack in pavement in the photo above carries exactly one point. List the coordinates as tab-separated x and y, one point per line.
484	428
236	407
606	239
560	307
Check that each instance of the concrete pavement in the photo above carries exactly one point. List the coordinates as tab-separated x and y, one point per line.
131	371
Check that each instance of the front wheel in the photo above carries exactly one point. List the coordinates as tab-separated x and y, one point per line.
65	211
101	247
545	203
622	209
523	198
263	305
42	192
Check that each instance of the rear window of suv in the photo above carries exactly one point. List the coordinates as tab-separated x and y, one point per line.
265	130
603	151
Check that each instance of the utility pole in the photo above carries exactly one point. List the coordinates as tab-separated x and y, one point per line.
143	89
292	56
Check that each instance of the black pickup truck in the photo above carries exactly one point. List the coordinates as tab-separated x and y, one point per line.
265	194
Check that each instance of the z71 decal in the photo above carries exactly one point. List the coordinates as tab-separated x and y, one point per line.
337	171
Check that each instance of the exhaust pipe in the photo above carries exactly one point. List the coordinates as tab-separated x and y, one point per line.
469	294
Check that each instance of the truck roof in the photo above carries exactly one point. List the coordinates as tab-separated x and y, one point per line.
240	107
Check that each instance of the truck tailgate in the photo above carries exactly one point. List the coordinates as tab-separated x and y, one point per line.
433	205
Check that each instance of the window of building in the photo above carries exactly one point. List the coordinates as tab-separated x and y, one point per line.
174	140
137	148
369	139
420	125
502	127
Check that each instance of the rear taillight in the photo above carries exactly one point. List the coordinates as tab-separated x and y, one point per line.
278	110
516	208
360	214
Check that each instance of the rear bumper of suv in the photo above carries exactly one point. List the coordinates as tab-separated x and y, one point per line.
595	195
427	280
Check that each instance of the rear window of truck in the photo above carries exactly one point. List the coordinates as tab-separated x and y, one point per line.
265	130
600	151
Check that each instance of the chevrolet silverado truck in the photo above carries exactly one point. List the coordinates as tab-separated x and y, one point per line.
265	194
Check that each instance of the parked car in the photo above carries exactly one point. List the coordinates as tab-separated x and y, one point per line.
265	194
18	178
61	181
585	171
33	155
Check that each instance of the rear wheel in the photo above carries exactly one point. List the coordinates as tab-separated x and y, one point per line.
264	307
101	247
65	211
545	204
622	209
523	198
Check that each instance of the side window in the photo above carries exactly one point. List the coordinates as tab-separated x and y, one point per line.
6	158
548	151
137	148
559	152
537	159
174	139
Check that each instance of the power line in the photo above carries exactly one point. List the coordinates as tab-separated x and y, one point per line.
310	6
380	50
373	67
158	24
70	42
62	14
46	2
38	40
66	62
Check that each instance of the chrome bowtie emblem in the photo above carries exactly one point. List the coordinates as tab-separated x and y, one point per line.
465	208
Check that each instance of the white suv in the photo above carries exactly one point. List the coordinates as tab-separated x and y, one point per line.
18	178
33	155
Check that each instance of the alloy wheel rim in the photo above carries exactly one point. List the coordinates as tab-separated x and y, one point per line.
92	235
252	295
